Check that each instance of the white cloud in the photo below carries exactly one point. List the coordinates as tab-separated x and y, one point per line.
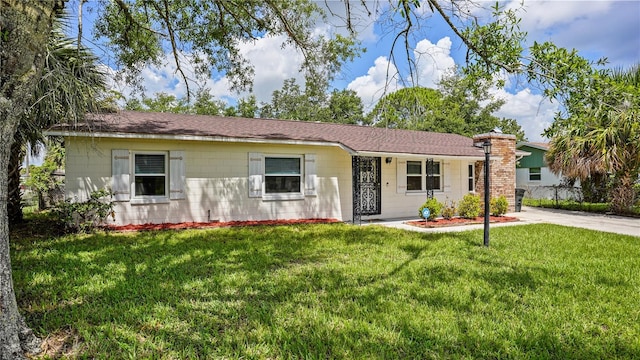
433	61
166	79
380	80
273	64
532	111
541	15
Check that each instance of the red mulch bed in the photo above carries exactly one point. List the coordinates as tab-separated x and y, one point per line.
200	225
459	221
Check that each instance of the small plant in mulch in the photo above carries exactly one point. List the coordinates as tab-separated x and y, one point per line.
434	206
499	206
469	206
449	209
459	221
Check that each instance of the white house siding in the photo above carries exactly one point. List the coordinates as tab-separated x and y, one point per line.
403	204
549	187
547	178
216	181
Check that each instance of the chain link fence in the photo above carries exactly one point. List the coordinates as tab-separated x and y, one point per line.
554	192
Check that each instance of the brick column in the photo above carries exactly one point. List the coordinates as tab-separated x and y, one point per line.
502	167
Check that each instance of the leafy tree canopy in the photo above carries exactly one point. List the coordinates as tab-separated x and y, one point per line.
460	106
203	104
293	103
141	32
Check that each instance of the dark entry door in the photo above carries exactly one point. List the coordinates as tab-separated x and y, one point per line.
366	186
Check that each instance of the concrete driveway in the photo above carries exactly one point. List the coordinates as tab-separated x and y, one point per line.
601	222
534	215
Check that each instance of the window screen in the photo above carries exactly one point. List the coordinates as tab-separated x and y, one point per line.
150	175
414	175
282	175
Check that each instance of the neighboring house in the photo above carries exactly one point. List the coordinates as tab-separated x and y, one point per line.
168	168
533	174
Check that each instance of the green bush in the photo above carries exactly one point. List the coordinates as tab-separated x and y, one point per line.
85	216
469	206
449	209
499	206
434	206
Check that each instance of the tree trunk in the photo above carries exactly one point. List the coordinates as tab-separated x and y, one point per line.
25	26
14	205
622	194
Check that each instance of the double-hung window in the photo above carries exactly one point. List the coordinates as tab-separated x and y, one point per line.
535	174
283	174
146	177
471	177
150	175
417	179
414	175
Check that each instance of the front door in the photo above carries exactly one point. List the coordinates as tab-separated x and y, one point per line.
366	186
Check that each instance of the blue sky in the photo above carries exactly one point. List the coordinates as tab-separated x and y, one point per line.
604	28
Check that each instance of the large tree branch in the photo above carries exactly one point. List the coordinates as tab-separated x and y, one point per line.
486	57
165	15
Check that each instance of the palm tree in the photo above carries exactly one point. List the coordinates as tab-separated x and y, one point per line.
618	141
571	155
605	142
72	85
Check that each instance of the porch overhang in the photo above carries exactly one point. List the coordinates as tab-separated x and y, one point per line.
405	155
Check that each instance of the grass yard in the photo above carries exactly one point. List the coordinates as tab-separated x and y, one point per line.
334	292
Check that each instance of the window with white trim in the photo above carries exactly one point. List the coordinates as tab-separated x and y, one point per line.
414	175
282	174
282	177
145	177
150	176
417	179
471	177
535	174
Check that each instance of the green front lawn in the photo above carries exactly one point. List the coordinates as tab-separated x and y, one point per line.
335	291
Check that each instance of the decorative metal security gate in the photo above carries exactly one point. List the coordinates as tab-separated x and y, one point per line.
366	173
430	178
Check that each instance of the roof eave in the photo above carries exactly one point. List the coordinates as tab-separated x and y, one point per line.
406	155
123	135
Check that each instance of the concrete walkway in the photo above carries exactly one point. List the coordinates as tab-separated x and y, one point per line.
533	215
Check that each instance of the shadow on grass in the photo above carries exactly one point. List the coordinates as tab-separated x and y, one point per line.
322	291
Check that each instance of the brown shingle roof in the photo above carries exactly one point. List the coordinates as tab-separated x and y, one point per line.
357	138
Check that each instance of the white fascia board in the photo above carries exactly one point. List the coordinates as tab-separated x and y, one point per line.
405	155
194	138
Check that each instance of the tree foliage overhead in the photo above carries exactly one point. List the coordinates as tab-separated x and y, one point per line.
212	32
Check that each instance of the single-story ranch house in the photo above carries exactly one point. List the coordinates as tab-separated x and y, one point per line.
171	168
